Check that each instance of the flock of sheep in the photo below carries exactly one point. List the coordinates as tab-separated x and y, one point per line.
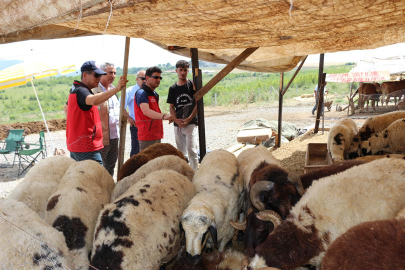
349	215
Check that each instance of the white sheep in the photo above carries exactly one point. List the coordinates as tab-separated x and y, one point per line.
218	201
74	206
40	181
140	230
171	162
28	242
340	137
391	140
368	192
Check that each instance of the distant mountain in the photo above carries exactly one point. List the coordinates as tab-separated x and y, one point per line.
6	63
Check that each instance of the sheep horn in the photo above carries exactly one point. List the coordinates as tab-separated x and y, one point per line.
255	191
296	180
240	226
269	215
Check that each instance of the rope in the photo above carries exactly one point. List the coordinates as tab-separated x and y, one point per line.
109	16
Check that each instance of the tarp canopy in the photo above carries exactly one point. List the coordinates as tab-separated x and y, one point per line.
395	65
284	30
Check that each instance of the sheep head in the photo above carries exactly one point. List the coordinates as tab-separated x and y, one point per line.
197	221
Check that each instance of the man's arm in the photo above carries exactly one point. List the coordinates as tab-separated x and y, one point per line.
192	115
65	109
99	98
155	115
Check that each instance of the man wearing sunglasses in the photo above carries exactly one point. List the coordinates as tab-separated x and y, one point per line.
184	109
129	105
84	136
147	112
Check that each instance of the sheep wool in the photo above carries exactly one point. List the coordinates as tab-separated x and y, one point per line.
28	242
140	229
40	181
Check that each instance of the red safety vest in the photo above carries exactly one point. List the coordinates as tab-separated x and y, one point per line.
83	128
148	129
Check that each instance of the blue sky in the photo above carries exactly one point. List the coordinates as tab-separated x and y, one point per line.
142	53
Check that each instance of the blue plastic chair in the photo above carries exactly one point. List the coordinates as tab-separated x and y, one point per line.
31	155
13	143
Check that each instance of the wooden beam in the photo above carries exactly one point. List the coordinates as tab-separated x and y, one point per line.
320	92
295	74
123	120
280	110
197	80
225	71
320	107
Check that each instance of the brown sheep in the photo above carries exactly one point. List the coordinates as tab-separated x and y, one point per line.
370	245
151	152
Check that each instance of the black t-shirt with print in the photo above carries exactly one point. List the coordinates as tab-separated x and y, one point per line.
182	99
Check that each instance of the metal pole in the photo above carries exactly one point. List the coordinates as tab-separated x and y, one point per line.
197	80
123	120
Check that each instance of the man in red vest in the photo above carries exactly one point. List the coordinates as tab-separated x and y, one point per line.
148	117
84	137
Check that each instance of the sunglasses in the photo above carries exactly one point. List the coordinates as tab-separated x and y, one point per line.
157	77
142	78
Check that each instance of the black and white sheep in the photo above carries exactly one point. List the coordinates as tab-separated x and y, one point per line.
141	228
74	206
369	246
378	123
164	162
28	242
151	152
40	181
340	137
218	201
330	207
391	140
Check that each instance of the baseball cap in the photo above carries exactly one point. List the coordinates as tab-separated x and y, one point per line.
182	64
91	66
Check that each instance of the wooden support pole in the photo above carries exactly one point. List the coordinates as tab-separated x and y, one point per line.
320	103
295	74
225	71
280	109
197	80
320	92
123	120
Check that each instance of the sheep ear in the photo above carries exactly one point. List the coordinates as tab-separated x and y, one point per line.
213	231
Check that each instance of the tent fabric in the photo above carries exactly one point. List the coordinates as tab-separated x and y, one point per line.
395	65
285	31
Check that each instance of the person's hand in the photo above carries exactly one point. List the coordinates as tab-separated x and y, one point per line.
131	121
170	117
122	82
179	122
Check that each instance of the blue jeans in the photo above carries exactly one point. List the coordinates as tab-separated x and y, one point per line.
134	140
79	156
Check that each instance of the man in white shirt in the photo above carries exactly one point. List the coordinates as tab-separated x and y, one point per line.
110	118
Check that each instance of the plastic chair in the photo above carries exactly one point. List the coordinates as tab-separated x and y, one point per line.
12	143
31	155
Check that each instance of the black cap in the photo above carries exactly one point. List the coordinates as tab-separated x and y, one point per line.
91	66
182	64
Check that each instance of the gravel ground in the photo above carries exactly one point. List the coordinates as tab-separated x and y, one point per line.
222	125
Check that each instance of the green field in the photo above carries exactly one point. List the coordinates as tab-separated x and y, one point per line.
20	105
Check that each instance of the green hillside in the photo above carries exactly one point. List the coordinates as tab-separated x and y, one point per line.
19	104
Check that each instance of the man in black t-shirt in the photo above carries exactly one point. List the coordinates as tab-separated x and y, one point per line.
184	109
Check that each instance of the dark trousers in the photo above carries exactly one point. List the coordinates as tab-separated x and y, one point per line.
110	155
79	156
134	140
